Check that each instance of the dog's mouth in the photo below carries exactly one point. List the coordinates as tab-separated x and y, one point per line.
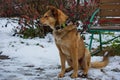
45	25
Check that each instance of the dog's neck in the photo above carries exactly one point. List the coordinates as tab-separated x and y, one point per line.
63	25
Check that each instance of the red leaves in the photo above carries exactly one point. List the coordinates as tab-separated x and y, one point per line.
79	9
25	16
85	3
31	10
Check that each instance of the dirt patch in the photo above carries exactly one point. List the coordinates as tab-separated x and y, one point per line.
2	57
116	70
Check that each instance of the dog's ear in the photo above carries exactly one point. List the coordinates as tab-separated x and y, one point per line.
53	10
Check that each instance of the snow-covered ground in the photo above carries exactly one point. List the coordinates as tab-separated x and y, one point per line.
38	59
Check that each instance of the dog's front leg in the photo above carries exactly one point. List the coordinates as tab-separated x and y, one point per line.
75	63
63	59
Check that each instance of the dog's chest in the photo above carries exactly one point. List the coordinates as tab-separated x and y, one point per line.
63	40
64	46
65	51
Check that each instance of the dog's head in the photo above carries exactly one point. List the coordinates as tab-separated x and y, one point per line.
53	17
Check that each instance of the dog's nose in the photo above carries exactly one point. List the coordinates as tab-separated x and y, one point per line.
40	21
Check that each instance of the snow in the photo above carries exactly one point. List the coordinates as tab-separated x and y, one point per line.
30	61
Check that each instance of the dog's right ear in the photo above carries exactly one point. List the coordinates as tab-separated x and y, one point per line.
53	10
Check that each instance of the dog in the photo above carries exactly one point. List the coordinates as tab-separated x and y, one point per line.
70	44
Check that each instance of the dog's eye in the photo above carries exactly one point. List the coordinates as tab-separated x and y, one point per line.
45	16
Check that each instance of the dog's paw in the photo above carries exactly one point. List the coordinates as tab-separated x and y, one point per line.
61	75
74	75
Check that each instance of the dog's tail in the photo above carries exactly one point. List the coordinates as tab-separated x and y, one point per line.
103	63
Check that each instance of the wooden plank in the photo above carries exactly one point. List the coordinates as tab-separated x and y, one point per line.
110	1
105	13
110	6
116	28
106	24
109	21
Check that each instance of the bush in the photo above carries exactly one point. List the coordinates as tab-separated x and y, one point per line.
113	48
30	11
31	29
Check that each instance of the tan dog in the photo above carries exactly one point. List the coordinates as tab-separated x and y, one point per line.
69	43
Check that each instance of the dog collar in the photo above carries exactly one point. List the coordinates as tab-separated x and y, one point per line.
60	26
68	21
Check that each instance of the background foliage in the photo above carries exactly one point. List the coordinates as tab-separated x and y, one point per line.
29	12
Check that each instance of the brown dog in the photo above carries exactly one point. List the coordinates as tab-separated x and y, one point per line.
69	43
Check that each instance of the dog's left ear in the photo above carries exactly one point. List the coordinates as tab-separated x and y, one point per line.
54	11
